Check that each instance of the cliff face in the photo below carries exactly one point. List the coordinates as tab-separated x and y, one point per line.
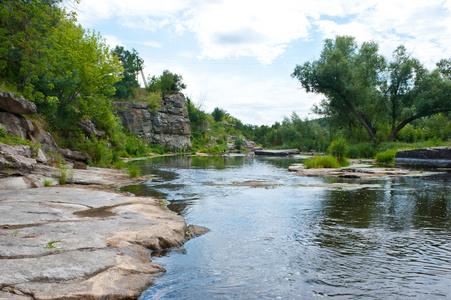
167	126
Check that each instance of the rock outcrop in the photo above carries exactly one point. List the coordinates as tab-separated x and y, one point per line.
18	105
168	125
12	159
427	157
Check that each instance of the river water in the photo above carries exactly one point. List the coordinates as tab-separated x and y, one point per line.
301	237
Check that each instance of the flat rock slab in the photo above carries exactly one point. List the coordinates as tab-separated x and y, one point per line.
277	152
356	172
70	243
428	157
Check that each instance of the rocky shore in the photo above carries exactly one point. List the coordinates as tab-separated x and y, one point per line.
86	241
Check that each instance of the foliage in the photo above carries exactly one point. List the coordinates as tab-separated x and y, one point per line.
386	156
167	83
238	143
65	174
133	171
218	114
360	86
362	150
52	244
132	64
47	182
321	162
339	149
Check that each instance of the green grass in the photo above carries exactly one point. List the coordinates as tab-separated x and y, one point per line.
386	156
133	171
321	162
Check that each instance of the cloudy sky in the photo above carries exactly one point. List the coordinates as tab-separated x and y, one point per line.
239	54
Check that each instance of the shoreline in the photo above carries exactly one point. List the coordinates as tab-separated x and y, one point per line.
84	240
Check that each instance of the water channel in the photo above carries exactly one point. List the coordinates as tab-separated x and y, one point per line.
300	237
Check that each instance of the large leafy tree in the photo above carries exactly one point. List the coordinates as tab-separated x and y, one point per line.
132	65
358	82
67	71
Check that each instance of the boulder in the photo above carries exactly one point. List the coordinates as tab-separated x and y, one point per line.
427	157
17	125
12	103
90	128
277	152
16	160
74	155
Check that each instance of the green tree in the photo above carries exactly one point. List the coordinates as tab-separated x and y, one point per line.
132	64
359	82
167	83
218	114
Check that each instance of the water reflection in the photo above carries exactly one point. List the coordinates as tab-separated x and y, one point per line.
305	237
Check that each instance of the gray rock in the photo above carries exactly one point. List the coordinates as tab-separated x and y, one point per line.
90	128
428	157
167	126
74	155
277	152
16	160
57	243
17	125
12	103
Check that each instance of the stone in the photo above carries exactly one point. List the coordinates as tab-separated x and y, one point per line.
167	126
16	160
49	251
195	230
74	155
12	103
277	152
80	166
17	125
90	128
428	157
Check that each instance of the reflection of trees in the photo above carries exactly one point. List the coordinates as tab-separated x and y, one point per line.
403	204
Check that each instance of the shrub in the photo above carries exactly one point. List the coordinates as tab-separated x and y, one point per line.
362	150
2	132
386	156
133	171
321	162
339	149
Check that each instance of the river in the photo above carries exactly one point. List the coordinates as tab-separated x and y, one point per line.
300	237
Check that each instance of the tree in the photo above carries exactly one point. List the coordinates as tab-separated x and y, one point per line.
167	83
132	64
67	71
358	82
218	114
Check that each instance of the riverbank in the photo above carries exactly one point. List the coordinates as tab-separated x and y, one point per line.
86	240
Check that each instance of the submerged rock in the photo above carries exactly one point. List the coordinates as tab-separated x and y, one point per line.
355	172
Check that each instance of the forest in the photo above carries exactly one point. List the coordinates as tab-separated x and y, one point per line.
371	103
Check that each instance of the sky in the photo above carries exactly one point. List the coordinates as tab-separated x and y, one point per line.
239	55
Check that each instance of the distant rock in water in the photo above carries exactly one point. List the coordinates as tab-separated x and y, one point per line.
168	125
277	152
427	157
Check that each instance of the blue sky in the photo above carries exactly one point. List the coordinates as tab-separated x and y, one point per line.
238	54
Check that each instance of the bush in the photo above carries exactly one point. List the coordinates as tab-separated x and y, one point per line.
362	150
339	149
133	171
386	156
321	162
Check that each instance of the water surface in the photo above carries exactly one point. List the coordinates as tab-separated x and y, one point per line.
301	237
